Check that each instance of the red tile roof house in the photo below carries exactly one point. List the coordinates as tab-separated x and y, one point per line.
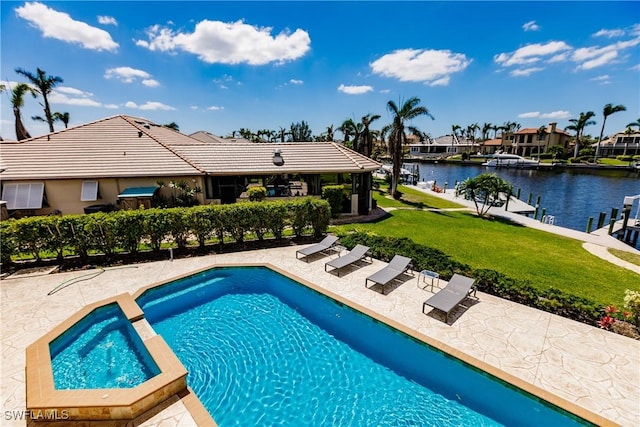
530	142
120	160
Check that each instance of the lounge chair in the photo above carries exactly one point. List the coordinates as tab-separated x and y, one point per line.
356	254
398	266
326	244
456	291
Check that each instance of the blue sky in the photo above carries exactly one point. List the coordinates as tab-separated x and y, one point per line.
222	66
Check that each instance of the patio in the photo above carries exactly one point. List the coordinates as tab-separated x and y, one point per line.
596	370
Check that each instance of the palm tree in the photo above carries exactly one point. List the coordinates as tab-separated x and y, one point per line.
578	125
17	102
635	124
541	134
454	136
64	118
485	130
348	127
608	110
397	136
368	134
282	134
45	85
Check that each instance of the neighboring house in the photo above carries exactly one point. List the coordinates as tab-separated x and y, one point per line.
530	141
443	146
118	161
620	144
491	146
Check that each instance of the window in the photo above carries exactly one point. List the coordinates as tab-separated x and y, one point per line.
23	196
89	191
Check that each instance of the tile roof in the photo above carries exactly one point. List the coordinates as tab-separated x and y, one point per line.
257	158
526	131
492	142
105	148
125	146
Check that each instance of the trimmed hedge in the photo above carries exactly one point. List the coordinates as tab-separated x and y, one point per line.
489	281
127	231
335	195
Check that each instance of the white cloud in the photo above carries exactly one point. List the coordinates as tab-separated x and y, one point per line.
552	115
600	78
194	107
61	26
149	105
296	82
609	33
107	20
130	75
530	26
230	43
66	95
593	56
215	108
433	67
385	91
519	72
635	67
531	53
150	83
354	90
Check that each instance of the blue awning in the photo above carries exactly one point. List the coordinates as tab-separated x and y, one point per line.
138	192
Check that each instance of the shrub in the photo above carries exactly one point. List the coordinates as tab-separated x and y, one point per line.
627	158
632	303
335	195
257	194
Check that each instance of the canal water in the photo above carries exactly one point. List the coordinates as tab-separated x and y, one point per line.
571	196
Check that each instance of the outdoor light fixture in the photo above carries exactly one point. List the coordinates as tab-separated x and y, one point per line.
277	158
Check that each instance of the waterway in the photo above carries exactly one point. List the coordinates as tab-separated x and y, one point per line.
571	196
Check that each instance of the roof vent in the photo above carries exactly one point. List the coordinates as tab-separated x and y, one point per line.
139	134
277	157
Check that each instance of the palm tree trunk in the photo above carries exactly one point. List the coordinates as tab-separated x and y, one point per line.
595	157
21	131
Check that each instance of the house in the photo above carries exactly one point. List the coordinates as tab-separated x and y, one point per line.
491	146
620	144
532	141
443	146
121	161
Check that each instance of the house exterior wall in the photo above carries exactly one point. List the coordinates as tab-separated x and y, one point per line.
63	195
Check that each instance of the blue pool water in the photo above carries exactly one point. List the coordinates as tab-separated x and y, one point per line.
261	349
101	351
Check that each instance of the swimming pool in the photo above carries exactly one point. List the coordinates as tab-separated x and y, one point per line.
101	351
262	349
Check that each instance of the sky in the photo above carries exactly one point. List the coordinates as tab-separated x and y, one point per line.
222	66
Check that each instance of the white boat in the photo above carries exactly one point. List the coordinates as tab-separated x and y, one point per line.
504	160
405	174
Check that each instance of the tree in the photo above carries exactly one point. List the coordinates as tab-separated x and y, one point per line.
172	125
44	84
397	136
17	102
368	134
578	125
348	128
454	136
541	133
64	118
485	190
300	132
608	110
485	130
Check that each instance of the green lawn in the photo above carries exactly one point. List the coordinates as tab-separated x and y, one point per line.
627	256
544	259
412	198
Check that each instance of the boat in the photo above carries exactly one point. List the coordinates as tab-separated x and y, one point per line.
505	160
386	170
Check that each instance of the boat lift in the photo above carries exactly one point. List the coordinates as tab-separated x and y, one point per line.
630	226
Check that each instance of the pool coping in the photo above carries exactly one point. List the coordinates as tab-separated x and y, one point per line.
45	402
501	375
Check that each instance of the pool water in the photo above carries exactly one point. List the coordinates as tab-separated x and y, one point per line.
262	349
101	351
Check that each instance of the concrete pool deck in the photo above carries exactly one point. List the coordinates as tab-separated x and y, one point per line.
594	369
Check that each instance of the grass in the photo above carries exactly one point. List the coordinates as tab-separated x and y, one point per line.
544	259
412	198
624	255
613	162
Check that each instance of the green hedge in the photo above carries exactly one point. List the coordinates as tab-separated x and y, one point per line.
489	281
129	231
335	195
